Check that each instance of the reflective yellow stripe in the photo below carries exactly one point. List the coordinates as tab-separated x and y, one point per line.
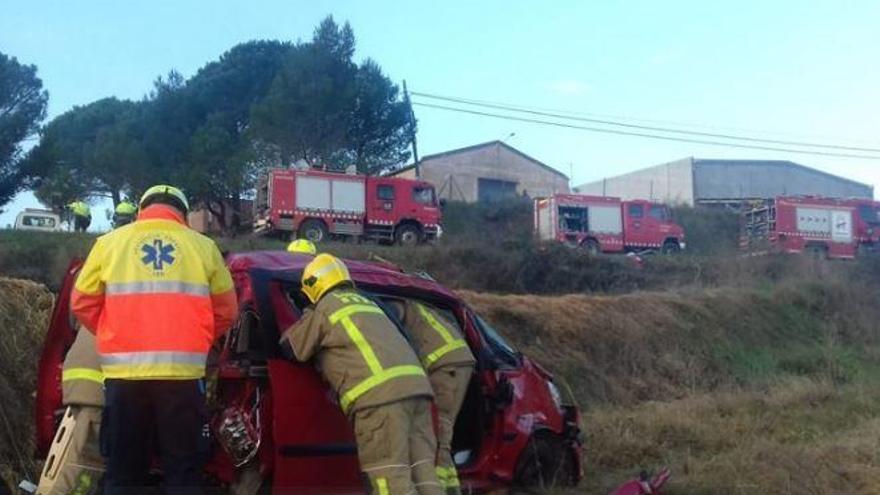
354	333
446	349
172	371
380	375
347	311
89	374
436	325
376	380
382	486
448	477
451	342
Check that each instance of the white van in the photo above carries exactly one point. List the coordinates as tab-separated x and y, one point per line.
40	220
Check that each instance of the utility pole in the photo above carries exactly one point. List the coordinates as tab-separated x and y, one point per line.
412	116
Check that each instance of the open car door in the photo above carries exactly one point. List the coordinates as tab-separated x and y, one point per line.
315	450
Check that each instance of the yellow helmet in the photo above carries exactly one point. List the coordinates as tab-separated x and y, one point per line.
302	246
322	274
165	192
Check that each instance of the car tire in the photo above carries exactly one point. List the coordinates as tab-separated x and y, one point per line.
313	230
545	465
408	235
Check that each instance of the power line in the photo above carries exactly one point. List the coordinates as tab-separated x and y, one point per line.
643	135
513	108
682	124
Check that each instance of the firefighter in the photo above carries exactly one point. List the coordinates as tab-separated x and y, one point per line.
302	246
381	386
77	464
124	213
82	215
449	362
156	294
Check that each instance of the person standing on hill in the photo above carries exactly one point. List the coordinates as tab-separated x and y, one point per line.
449	362
82	215
124	213
156	294
381	386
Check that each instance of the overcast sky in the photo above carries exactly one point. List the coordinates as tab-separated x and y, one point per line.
782	69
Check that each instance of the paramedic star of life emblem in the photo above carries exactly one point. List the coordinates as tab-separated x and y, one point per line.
157	253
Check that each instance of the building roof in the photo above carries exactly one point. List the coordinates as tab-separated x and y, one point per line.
774	163
478	146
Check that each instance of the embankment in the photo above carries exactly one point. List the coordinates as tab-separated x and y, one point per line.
739	391
25	308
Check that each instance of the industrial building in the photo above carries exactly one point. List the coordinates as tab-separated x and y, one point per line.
698	181
487	172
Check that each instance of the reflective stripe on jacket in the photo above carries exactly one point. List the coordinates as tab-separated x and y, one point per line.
157	294
360	352
82	383
437	341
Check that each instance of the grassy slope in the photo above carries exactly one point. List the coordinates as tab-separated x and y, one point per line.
737	390
750	375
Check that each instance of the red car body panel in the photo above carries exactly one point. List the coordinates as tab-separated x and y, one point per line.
307	444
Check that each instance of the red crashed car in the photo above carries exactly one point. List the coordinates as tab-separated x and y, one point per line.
515	427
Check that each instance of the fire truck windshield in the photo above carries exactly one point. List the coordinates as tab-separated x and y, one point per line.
869	214
424	195
660	212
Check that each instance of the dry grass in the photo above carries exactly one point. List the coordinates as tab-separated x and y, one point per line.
798	436
25	308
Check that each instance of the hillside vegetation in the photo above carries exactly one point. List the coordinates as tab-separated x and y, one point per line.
744	375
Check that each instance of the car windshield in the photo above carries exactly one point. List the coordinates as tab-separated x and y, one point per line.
424	195
503	351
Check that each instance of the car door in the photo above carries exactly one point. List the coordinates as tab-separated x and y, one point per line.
314	446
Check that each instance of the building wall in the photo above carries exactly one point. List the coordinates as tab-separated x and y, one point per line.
202	221
670	183
455	175
718	180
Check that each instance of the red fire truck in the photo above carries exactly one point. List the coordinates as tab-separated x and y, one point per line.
826	227
313	205
607	225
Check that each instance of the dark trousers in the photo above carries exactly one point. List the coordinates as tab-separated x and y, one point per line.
142	417
81	223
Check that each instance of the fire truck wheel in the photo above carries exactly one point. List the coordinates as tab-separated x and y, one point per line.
313	230
545	464
592	247
408	235
671	247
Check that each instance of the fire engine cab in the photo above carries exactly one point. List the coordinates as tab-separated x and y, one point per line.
314	205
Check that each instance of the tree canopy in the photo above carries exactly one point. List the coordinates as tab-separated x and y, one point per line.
260	104
22	107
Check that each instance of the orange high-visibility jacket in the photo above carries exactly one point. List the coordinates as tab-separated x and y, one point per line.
156	294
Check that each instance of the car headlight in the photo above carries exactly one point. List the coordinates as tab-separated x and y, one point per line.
554	393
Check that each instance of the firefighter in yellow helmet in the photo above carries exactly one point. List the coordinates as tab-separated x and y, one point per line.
124	213
445	355
382	388
302	246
